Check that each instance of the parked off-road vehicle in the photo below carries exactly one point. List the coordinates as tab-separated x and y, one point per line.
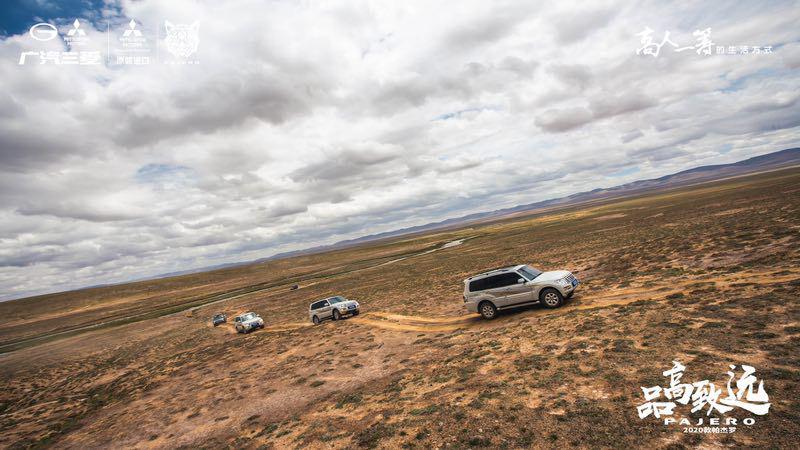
247	322
515	286
219	319
332	308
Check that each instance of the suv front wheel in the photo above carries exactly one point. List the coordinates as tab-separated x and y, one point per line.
551	298
488	310
336	314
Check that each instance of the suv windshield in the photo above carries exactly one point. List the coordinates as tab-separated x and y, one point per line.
337	299
248	316
529	272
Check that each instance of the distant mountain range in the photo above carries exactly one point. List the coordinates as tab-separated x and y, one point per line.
781	159
771	161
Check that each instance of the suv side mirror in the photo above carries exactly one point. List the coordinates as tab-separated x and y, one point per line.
520	281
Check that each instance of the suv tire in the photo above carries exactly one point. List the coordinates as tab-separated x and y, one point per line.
336	314
488	310
315	319
551	298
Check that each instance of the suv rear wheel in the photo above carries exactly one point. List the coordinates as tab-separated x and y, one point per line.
551	298
315	319
488	310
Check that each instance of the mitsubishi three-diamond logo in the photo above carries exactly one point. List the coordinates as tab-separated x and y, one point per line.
132	31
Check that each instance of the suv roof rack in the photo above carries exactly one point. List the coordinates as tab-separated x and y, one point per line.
485	272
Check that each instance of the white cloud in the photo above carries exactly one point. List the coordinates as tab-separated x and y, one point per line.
311	122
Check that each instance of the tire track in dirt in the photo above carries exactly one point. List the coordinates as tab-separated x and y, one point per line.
212	300
601	299
400	326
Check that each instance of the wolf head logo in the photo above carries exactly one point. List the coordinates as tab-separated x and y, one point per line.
182	39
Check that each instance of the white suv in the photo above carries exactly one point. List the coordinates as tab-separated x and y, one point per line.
515	286
332	308
247	322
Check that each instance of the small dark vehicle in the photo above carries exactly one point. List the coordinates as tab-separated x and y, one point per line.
294	286
219	319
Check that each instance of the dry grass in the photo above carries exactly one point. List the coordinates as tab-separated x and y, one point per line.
708	275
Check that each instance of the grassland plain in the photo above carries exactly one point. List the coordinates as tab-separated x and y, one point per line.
708	275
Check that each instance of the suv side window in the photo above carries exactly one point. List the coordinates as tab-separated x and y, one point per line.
491	282
315	305
494	282
505	279
324	304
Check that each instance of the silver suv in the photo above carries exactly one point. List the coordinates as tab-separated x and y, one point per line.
515	286
332	308
247	322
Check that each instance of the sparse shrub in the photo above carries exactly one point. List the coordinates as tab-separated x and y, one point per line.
430	409
348	399
371	436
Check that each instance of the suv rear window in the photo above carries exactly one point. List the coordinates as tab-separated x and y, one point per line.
477	285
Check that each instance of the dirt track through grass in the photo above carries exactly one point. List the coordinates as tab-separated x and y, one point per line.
708	276
600	299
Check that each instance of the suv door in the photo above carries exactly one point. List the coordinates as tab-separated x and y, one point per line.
325	310
504	283
498	288
519	293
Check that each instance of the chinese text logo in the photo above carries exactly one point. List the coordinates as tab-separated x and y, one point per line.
703	45
746	393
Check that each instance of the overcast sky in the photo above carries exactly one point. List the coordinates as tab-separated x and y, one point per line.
305	123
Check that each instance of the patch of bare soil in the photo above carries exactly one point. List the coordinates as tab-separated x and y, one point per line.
703	283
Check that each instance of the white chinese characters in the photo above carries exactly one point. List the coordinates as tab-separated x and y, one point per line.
703	45
134	44
705	395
